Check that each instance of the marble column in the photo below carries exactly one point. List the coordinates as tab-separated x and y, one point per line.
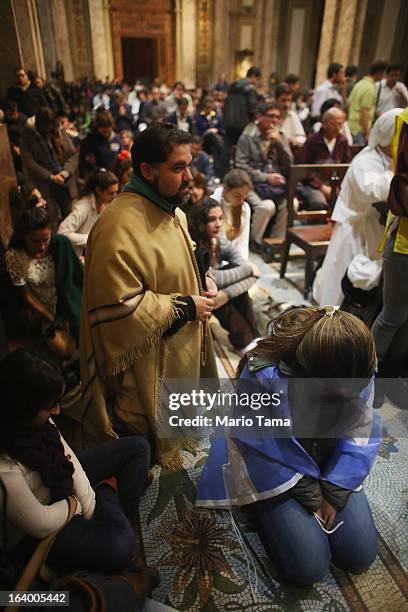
350	31
9	46
222	57
179	56
327	38
101	39
27	29
63	47
204	42
341	34
266	65
259	38
188	43
45	18
80	37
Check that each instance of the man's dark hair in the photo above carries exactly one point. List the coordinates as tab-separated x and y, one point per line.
330	103
253	72
268	107
378	65
11	105
154	145
351	70
103	118
333	69
177	83
182	101
394	67
291	79
282	88
196	139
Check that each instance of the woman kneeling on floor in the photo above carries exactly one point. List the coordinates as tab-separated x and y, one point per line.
233	274
303	486
40	472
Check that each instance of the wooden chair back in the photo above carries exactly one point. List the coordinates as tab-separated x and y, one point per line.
333	174
355	148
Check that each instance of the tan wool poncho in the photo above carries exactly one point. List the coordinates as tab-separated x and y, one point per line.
139	264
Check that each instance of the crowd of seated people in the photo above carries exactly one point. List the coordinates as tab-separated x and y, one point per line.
70	145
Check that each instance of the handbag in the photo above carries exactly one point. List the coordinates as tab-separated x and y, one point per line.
269	192
33	567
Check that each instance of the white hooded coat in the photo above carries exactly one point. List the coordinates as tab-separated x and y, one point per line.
358	232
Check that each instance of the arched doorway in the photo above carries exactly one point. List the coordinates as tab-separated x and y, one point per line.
142	37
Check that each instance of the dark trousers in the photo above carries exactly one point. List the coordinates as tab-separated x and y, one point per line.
105	543
302	551
237	317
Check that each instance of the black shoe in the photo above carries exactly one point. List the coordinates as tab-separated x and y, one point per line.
268	254
255	247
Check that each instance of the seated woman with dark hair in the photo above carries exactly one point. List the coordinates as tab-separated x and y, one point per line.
233	275
49	278
41	472
101	186
301	474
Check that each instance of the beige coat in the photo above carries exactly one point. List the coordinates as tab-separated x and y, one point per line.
139	263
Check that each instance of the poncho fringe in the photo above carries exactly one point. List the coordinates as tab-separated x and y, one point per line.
123	362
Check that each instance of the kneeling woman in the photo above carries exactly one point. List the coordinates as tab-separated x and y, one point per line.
40	471
233	274
49	278
304	490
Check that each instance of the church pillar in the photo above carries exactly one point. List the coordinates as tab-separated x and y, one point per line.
178	40
63	47
341	34
45	18
101	39
222	56
269	34
259	38
80	37
24	27
187	70
204	42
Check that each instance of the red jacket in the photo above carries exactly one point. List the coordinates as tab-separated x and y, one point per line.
315	151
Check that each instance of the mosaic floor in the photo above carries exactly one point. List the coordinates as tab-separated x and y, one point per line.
201	563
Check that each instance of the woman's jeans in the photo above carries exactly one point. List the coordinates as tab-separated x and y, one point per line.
394	314
105	543
302	551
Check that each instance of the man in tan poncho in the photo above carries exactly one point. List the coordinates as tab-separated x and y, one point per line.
144	311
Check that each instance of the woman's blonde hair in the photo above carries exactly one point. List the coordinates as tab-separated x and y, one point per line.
335	346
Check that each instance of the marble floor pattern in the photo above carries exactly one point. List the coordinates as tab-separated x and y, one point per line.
201	562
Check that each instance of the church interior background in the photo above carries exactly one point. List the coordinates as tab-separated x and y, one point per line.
196	40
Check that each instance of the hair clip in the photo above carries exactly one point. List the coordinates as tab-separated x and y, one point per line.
330	310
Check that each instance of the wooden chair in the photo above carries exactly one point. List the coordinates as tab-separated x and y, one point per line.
312	239
355	148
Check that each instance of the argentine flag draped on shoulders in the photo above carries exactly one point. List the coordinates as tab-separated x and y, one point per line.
242	469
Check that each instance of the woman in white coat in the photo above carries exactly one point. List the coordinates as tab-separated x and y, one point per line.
358	231
100	188
237	212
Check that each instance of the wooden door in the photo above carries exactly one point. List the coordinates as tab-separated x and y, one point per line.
139	57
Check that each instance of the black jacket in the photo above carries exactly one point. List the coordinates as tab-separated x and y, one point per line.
239	106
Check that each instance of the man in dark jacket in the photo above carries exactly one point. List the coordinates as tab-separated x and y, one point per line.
328	146
28	97
264	153
101	147
240	104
